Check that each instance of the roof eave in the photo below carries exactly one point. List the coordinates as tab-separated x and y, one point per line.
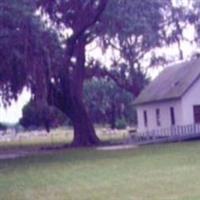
156	101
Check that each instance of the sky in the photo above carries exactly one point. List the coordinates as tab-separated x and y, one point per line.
13	113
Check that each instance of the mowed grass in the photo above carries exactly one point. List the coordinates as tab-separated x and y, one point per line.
158	172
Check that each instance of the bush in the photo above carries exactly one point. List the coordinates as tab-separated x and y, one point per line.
37	115
121	124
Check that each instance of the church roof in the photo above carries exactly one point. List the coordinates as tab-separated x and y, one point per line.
173	82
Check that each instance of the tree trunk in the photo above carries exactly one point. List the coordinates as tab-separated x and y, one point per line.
69	99
84	132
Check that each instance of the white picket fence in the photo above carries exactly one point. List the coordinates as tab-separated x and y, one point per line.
171	133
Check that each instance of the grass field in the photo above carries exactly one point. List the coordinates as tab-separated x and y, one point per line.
158	172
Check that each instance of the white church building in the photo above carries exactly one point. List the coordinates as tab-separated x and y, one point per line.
172	99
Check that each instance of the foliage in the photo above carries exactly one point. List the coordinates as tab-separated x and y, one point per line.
26	46
194	18
3	126
13	20
121	124
36	115
107	102
134	29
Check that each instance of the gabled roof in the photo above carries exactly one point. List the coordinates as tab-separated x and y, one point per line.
172	83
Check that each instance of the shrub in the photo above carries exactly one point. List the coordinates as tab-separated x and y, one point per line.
121	124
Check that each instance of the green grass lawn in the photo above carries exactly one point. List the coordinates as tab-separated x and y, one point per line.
158	172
